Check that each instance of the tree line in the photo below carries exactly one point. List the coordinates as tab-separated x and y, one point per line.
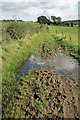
54	21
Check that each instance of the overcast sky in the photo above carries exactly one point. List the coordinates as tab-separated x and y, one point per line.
31	9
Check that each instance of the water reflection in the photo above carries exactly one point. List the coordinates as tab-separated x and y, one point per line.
65	65
32	63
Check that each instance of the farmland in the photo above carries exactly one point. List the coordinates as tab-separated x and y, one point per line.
68	38
39	93
68	31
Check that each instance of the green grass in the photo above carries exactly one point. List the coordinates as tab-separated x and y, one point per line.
17	51
14	52
68	31
67	37
18	47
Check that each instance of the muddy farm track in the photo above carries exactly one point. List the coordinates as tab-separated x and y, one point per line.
46	84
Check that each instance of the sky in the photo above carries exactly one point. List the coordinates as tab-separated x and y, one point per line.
30	10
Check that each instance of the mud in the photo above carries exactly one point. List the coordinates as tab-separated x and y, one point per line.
49	95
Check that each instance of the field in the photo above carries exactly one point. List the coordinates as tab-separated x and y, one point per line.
68	31
68	38
19	41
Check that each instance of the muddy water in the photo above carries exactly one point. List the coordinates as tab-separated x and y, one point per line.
64	64
32	63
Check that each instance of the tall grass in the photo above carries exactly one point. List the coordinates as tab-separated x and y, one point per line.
16	40
18	30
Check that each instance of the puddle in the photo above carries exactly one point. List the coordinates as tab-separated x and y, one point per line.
31	63
67	66
64	64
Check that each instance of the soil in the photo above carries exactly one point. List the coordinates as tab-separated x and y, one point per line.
50	95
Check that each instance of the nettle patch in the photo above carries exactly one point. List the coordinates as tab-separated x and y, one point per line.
38	96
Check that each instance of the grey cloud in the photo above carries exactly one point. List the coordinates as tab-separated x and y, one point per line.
15	5
35	9
19	6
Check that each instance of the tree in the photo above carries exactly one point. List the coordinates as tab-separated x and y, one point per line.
43	20
58	19
53	18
